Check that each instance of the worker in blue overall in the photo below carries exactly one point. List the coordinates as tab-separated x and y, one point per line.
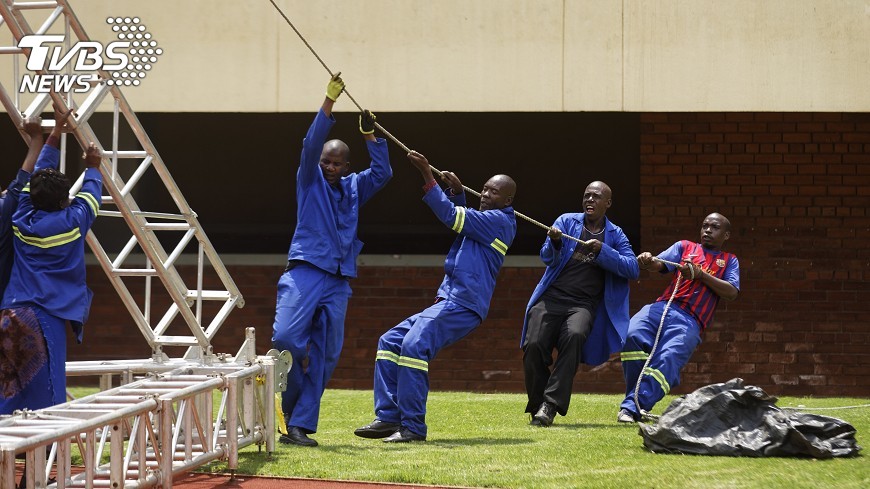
401	384
314	289
47	288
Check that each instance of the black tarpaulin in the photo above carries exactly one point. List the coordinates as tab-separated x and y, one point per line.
743	421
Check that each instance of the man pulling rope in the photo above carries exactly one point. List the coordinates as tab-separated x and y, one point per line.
661	338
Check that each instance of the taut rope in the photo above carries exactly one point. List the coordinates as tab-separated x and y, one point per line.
389	135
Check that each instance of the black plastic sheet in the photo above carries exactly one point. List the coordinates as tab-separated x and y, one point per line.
743	421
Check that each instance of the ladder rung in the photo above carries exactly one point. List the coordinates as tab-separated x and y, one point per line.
134	272
209	295
126	154
33	5
11	50
176	340
159	215
168	226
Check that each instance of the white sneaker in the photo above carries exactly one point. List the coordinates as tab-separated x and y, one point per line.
625	417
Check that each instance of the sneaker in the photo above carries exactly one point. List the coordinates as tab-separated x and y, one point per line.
625	416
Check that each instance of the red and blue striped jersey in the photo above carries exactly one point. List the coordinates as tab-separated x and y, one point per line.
692	296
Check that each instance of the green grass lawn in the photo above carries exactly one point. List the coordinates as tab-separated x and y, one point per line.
484	440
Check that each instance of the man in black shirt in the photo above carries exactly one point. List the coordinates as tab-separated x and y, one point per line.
580	306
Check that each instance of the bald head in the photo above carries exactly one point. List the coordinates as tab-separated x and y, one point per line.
498	192
603	188
335	160
726	224
596	201
338	148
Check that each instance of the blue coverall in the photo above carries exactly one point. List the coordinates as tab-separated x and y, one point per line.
313	292
401	384
48	278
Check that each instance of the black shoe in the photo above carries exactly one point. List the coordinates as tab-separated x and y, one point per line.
295	436
377	429
545	414
404	435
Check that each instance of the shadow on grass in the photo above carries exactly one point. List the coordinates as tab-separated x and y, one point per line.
575	426
477	441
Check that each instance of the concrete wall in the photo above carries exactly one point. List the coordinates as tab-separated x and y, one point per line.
501	55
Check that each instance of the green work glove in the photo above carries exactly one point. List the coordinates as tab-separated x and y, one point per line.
334	87
367	122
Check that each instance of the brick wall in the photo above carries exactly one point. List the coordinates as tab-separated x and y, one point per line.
796	187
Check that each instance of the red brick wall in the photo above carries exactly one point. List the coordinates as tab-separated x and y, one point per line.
796	187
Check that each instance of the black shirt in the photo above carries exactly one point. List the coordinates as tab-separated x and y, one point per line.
581	281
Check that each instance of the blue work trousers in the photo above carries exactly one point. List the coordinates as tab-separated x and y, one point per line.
309	322
679	338
402	364
40	360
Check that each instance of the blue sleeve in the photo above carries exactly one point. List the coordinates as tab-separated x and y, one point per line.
674	253
458	199
477	225
549	254
49	157
379	172
86	203
312	147
13	191
619	259
732	272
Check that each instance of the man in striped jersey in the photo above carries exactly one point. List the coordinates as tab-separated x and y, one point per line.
461	303
706	274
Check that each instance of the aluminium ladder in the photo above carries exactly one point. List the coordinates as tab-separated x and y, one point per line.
186	302
163	423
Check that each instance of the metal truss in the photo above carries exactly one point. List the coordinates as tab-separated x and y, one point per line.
144	257
162	420
144	433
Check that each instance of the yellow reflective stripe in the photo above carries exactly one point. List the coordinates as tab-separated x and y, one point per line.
49	241
91	200
387	355
414	363
659	377
459	222
499	246
26	187
633	355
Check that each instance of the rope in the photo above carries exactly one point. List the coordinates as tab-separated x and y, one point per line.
656	342
837	408
389	135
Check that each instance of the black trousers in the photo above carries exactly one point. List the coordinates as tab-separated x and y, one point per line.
560	326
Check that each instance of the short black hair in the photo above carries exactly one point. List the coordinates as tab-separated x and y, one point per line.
49	190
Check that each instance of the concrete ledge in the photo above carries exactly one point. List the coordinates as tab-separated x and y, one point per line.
517	261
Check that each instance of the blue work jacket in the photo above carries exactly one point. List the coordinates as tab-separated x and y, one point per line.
477	254
620	265
49	268
327	218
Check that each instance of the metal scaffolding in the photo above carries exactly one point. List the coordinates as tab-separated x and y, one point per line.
161	398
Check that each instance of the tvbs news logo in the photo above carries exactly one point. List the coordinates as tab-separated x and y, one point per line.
127	60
